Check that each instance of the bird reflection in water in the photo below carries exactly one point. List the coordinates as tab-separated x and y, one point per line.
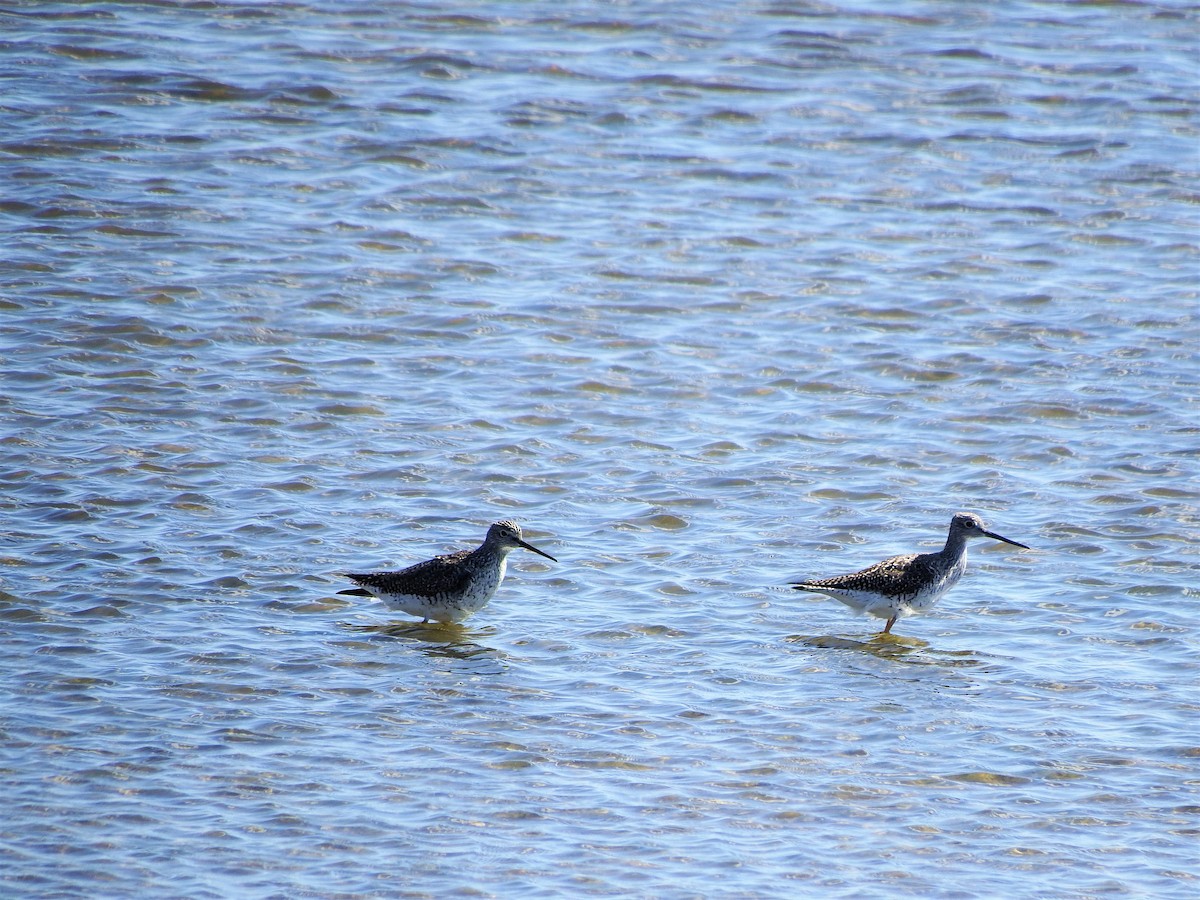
892	647
433	639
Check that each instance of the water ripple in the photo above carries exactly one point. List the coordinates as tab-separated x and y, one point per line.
708	304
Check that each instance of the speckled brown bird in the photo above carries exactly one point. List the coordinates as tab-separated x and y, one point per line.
447	588
902	585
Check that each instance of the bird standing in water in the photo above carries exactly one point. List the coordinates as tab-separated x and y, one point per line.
903	585
447	588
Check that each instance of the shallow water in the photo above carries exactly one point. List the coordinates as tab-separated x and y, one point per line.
706	302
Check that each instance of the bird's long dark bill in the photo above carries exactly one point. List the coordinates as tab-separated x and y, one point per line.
1001	537
536	550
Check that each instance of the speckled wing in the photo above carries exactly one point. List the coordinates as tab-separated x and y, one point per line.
898	576
432	578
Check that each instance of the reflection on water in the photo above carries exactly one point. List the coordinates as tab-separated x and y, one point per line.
450	641
899	648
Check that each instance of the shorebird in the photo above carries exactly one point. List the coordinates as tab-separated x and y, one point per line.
903	585
447	588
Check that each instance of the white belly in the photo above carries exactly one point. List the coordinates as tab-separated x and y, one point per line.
450	608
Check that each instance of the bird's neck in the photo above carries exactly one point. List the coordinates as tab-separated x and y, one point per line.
486	553
956	545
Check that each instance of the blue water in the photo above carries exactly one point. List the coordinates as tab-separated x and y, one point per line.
709	299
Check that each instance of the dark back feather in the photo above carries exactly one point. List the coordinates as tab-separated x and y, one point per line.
899	576
440	575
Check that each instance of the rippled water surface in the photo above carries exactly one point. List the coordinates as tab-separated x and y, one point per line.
708	297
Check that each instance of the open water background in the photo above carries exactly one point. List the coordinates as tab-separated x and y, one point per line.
707	296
